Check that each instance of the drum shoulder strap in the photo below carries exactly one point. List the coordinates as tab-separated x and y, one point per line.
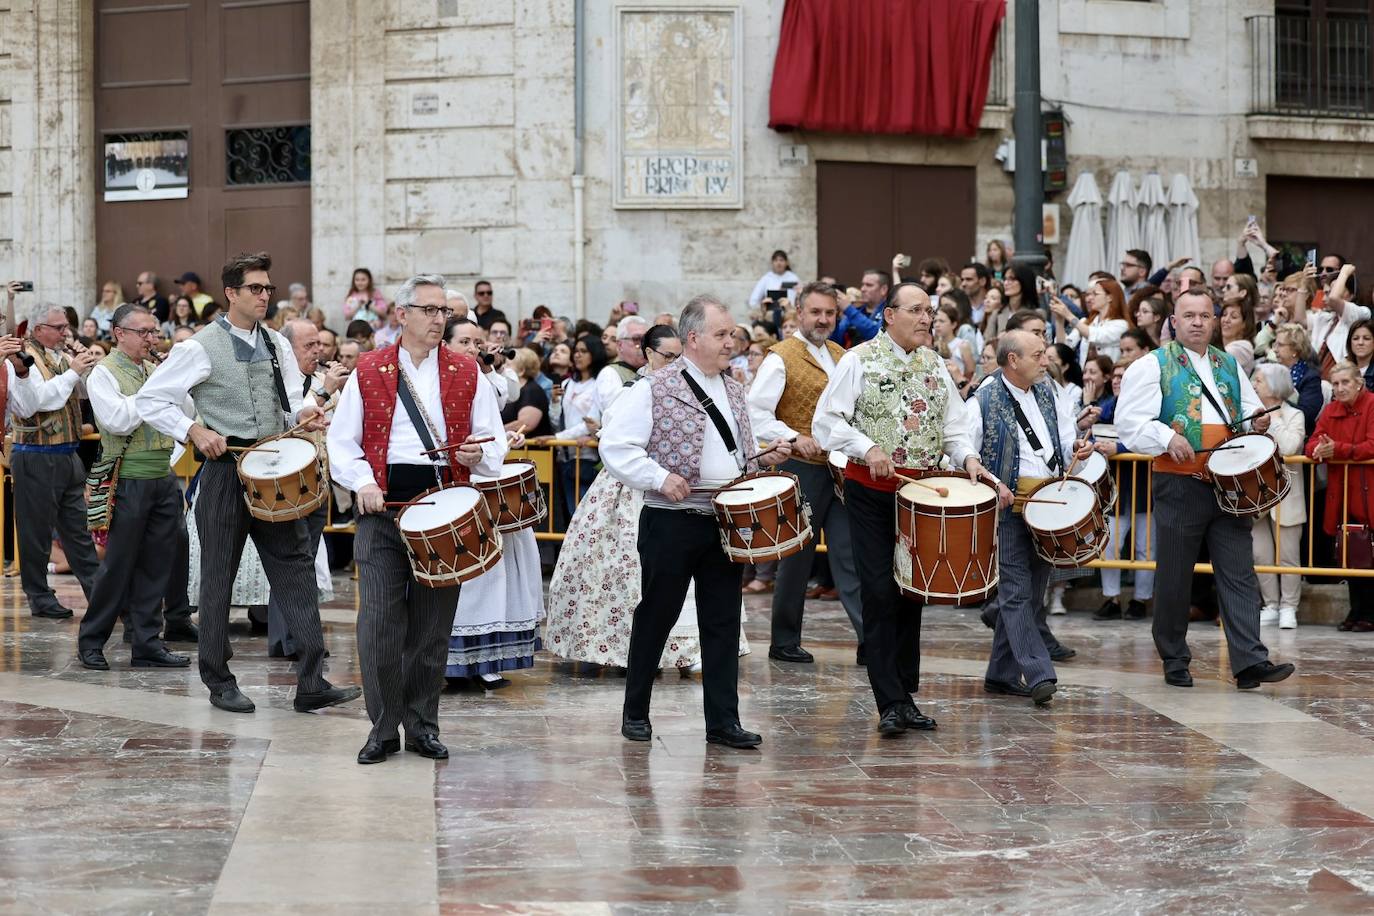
713	412
1024	422
417	415
276	372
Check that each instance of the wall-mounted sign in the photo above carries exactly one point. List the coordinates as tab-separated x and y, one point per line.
424	103
678	136
153	165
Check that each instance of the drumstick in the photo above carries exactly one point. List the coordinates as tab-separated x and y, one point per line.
520	429
942	491
396	504
1255	416
251	448
457	445
720	490
1026	500
771	448
1216	448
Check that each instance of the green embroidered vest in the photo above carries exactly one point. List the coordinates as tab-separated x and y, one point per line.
902	405
149	453
1181	389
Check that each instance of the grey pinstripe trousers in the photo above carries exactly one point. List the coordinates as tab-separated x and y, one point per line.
1018	649
403	631
1187	513
223	524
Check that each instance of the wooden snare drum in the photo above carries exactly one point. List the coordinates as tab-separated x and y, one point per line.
1097	471
1066	521
1248	475
762	517
837	463
514	496
283	479
946	550
449	535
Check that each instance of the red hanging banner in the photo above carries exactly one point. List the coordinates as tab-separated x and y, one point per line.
884	66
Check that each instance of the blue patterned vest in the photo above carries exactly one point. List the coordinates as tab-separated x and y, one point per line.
1181	389
1000	454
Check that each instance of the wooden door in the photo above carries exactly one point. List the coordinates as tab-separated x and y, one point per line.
1323	213
235	76
869	211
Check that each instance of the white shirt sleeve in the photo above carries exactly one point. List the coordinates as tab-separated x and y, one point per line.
47	394
760	290
1068	430
608	387
1250	404
497	383
160	400
486	421
835	409
1137	410
21	392
763	397
348	466
958	442
625	437
115	412
973	413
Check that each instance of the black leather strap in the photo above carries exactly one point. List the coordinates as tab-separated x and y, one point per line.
1024	422
276	372
1231	424
713	412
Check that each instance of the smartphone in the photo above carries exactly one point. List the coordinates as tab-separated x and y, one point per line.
630	308
904	260
546	325
1312	256
25	286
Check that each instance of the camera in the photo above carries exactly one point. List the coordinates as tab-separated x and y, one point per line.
25	286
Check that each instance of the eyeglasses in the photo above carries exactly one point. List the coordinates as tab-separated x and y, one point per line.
1129	264
257	289
146	333
432	311
636	340
914	310
666	356
483	292
54	327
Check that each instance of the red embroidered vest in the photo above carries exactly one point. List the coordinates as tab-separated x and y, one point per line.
378	375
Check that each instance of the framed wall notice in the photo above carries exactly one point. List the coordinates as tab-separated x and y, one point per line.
678	134
152	165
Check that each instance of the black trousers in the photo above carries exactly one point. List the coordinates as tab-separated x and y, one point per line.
176	608
892	620
278	633
223	523
1361	598
677	548
50	493
403	630
135	573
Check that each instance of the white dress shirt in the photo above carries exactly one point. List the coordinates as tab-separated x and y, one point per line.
161	398
500	388
625	439
36	394
769	281
348	465
766	391
1031	463
609	386
1104	334
23	392
580	400
1323	327
835	409
1137	410
115	412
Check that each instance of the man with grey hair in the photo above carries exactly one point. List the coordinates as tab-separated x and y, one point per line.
624	370
457	302
1023	439
49	479
672	439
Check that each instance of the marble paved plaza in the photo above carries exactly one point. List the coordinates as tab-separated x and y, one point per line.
126	792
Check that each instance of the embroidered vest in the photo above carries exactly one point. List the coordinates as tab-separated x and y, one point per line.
902	405
1181	400
1001	453
131	377
378	377
805	380
49	427
628	376
239	398
680	422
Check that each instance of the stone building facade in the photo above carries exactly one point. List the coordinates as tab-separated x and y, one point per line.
444	139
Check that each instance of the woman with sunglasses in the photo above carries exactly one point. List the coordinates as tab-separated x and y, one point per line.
596	584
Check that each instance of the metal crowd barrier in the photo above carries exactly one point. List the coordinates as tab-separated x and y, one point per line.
542	456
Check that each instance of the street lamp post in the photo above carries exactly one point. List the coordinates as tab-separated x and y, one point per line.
1026	123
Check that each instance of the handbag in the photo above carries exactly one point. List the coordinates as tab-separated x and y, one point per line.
100	489
1357	541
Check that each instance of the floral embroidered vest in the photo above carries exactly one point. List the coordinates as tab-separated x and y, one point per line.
805	379
1180	405
902	405
680	423
1001	453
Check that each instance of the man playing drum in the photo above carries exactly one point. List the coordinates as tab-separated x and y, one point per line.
1023	437
686	431
1184	397
246	385
891	406
782	401
402	401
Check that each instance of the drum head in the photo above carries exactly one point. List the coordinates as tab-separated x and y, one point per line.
286	456
962	492
508	472
754	489
1241	454
838	461
1093	467
449	504
1079	500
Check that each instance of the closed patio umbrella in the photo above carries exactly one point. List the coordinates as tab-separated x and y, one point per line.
1153	204
1183	239
1123	222
1086	252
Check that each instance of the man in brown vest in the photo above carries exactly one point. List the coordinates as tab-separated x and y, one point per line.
782	401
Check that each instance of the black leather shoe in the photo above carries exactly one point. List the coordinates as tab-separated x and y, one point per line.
1110	610
860	658
913	719
733	736
330	696
890	723
231	699
791	654
1005	688
127	636
1136	610
377	751
427	746
1062	654
93	659
1178	678
636	729
1266	672
185	632
56	612
1042	693
989	616
161	659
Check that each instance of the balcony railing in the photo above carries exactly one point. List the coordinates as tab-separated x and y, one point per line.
1311	68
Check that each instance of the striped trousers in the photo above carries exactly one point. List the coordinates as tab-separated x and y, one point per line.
403	630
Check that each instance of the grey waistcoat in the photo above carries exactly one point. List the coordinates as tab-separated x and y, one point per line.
240	397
